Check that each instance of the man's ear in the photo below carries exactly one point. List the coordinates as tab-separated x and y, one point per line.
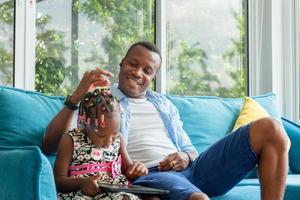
153	78
121	63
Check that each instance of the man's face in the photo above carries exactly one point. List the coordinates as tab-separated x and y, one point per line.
137	71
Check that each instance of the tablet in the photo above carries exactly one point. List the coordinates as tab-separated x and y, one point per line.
134	189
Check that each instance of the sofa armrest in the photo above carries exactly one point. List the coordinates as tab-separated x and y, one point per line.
293	131
25	173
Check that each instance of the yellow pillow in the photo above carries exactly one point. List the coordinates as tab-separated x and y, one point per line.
251	111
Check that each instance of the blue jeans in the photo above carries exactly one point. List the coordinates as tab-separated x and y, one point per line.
214	172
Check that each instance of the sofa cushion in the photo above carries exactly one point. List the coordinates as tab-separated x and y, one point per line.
24	115
292	191
251	110
293	131
246	192
206	119
25	174
248	189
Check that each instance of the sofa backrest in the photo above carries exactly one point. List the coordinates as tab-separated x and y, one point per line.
24	115
206	119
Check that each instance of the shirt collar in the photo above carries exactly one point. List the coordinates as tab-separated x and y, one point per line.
118	93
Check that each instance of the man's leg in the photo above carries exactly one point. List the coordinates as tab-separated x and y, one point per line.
269	141
228	161
224	164
179	186
198	196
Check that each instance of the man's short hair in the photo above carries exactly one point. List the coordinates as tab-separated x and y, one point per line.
148	45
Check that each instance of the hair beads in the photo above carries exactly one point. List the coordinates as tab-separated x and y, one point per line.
89	107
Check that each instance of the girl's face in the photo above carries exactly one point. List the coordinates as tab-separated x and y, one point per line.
109	130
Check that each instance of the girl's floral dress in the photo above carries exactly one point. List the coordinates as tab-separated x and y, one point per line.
89	159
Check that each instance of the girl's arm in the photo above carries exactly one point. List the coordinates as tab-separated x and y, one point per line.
126	160
132	169
64	183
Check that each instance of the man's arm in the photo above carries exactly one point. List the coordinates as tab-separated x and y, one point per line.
183	139
61	122
192	155
56	128
186	151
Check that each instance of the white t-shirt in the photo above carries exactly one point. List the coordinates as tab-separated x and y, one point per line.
148	140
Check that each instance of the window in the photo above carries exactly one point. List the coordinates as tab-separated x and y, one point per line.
76	35
6	42
205	44
206	47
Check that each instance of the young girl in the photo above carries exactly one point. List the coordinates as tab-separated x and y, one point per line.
95	152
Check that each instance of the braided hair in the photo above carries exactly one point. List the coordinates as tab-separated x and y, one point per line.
100	96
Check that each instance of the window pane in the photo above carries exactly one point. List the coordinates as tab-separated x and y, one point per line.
6	42
206	47
76	35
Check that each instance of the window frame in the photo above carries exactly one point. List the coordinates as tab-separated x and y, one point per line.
160	40
24	47
297	64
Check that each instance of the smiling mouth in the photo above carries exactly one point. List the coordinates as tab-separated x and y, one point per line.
137	81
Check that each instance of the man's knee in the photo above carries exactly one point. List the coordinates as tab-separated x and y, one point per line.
269	131
198	196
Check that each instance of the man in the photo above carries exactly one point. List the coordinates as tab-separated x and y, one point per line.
154	135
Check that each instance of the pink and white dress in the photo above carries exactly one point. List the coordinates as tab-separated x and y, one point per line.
89	159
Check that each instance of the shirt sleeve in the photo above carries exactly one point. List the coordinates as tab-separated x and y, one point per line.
183	140
74	120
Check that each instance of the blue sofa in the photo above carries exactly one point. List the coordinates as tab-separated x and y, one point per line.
26	173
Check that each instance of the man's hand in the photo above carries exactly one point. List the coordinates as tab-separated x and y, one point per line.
90	79
135	170
89	186
176	161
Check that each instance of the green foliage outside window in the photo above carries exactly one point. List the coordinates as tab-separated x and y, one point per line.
193	75
125	22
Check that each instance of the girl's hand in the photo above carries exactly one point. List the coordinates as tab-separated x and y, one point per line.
89	186
90	79
176	161
135	170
